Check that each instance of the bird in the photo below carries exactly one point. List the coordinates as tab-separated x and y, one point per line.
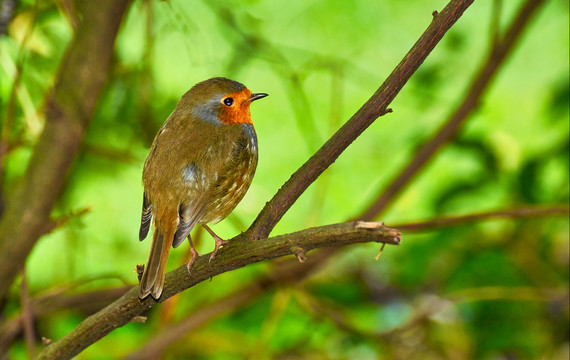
199	167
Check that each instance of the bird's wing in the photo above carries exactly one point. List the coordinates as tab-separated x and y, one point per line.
145	218
188	216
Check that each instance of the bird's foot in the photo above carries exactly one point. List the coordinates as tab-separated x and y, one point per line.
219	242
194	256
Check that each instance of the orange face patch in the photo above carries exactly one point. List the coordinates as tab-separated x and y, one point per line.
238	111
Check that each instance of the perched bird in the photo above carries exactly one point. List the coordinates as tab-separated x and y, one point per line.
199	167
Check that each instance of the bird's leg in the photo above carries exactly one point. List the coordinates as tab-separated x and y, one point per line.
194	254
219	241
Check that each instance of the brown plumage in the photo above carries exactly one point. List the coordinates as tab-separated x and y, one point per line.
199	167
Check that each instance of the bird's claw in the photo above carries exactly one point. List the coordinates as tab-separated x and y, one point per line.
194	256
219	243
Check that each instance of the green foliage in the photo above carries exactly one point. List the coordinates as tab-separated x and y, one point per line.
496	289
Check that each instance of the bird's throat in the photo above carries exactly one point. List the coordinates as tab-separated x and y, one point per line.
238	113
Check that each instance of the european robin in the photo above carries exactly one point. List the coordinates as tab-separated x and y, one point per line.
198	169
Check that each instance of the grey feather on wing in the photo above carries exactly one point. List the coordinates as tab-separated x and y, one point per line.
188	217
146	216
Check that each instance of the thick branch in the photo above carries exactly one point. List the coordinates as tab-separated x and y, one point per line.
69	108
376	106
240	252
296	272
483	79
289	271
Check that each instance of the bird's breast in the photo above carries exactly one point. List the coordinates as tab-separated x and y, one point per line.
235	176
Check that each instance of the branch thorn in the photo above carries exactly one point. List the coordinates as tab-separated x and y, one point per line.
380	252
139	270
300	253
139	319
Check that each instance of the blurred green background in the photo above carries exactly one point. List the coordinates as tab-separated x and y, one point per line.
487	290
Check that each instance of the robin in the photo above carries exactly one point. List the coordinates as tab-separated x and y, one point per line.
199	167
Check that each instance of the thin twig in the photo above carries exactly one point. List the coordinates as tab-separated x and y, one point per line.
108	152
6	141
23	52
27	317
70	12
495	24
445	222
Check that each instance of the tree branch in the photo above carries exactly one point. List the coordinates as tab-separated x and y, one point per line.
88	302
375	107
296	272
69	108
483	79
240	252
285	273
445	222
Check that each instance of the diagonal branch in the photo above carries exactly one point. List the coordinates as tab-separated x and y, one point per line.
483	78
375	107
242	252
69	108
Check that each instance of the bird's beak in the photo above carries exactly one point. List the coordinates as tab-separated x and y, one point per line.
257	96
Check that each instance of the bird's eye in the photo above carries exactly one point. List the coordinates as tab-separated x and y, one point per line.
229	101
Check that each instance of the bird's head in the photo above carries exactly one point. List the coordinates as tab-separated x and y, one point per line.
220	101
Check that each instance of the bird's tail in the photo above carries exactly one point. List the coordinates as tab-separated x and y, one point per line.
152	281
